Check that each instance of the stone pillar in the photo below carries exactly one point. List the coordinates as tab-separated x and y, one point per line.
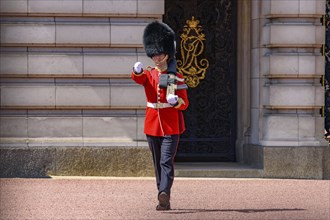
243	77
287	65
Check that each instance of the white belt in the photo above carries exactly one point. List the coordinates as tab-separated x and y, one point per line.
158	105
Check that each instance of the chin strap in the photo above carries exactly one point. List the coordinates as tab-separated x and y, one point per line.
162	65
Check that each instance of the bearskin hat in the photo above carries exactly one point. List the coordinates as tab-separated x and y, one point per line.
159	38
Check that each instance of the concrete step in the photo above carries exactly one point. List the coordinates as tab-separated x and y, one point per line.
216	169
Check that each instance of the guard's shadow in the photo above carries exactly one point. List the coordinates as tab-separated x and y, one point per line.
186	211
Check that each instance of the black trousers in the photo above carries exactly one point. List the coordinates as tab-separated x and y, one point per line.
163	152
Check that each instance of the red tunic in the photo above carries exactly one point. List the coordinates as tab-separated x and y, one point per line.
162	121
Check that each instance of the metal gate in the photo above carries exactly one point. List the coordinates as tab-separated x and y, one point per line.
206	54
327	72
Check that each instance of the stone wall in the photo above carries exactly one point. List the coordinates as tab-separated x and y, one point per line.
66	89
69	107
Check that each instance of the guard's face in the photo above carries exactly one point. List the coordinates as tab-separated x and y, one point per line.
158	58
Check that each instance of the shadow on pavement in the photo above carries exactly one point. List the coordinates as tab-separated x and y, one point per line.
185	211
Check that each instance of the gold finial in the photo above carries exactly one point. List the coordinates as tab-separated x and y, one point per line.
193	23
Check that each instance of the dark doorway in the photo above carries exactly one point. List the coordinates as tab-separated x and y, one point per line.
211	116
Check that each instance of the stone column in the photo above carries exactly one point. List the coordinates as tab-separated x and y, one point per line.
287	65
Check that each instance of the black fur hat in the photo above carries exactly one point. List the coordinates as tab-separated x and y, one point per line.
159	38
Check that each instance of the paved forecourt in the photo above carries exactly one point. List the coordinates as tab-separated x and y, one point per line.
192	198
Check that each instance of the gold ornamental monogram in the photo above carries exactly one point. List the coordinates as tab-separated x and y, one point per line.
192	47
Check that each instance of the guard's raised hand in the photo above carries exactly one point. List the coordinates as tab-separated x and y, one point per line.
138	67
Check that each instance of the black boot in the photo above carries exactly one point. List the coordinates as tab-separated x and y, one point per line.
164	202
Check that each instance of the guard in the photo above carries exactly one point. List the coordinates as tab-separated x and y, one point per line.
164	120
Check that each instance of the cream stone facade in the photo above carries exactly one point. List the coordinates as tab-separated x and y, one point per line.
69	107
